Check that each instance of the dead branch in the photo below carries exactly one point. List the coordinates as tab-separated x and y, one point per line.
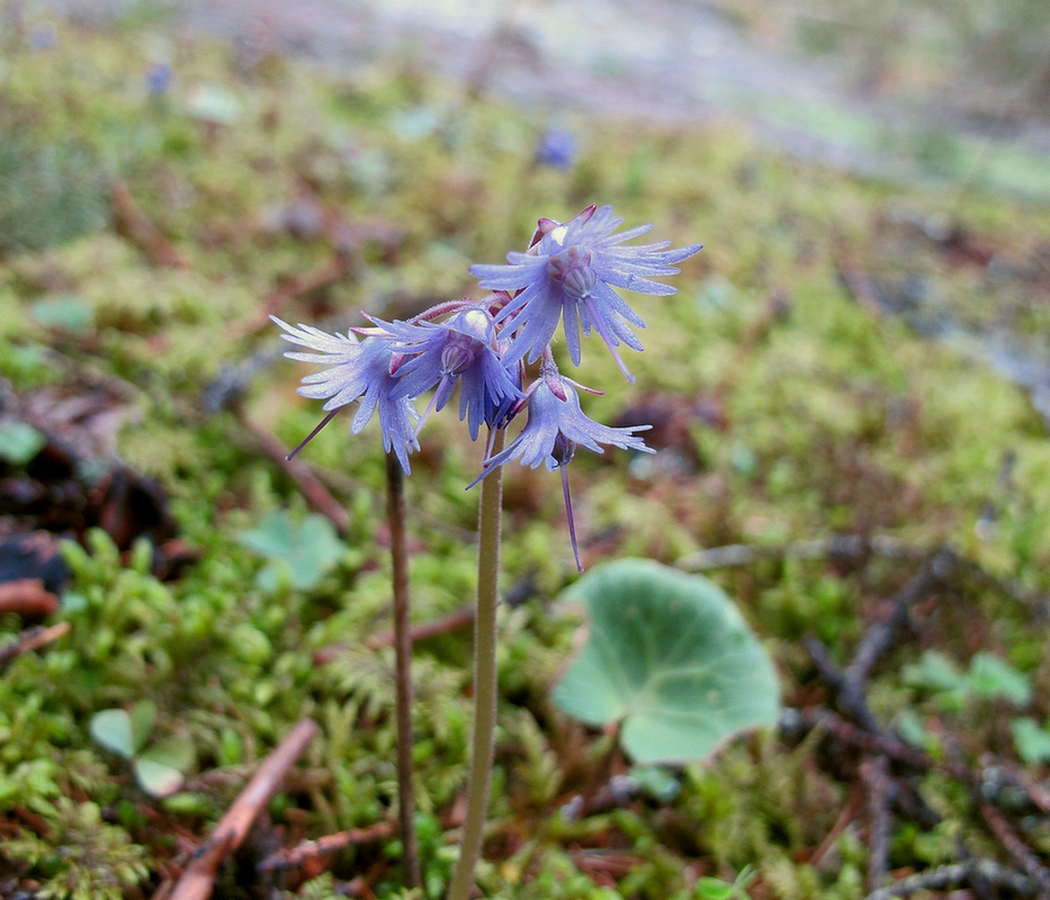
959	873
1017	848
335	269
131	224
839	546
31	639
27	598
881	792
421	632
307	851
316	494
879	636
845	817
198	879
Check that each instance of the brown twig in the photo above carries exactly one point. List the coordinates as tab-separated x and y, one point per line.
131	224
26	597
958	873
461	618
316	494
307	851
851	699
879	636
878	743
31	639
881	793
198	879
847	815
336	268
1017	848
839	546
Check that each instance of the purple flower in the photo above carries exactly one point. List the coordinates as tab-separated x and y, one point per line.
158	79
555	427
571	271
556	148
357	370
461	351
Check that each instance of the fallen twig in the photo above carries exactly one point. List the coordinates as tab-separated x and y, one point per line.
337	267
198	878
881	792
461	618
879	636
316	494
847	815
842	546
27	597
131	224
31	639
1017	848
958	873
307	851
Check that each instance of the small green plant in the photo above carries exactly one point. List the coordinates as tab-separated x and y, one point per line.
160	768
709	888
987	678
1031	740
84	858
668	659
300	554
19	442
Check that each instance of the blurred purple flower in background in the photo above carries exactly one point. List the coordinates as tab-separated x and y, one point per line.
44	36
158	79
556	148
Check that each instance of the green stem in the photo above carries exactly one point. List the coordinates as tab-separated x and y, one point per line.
395	492
485	685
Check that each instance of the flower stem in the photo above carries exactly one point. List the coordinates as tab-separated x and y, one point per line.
485	685
395	484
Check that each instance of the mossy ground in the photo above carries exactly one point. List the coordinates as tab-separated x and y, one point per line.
793	412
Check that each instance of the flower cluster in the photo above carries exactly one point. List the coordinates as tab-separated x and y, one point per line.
570	274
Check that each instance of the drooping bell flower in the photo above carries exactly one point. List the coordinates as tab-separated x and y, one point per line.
357	369
556	426
460	351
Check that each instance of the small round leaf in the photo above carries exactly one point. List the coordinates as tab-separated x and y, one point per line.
112	729
669	657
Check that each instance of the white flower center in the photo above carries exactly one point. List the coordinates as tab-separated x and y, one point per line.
572	270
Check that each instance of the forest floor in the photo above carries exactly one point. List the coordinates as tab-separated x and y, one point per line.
848	400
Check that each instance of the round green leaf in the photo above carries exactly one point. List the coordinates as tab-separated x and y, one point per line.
160	769
142	716
299	553
669	657
19	442
156	778
112	729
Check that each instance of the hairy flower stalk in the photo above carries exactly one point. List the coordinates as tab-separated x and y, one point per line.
479	781
571	275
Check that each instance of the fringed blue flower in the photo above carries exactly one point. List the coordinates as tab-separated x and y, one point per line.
356	370
555	427
570	273
463	351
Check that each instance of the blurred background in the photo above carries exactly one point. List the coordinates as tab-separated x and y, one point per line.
957	90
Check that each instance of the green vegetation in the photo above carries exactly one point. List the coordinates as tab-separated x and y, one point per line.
788	409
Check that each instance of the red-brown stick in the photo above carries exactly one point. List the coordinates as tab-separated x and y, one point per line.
198	879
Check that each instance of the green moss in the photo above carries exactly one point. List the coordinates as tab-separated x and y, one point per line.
827	418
